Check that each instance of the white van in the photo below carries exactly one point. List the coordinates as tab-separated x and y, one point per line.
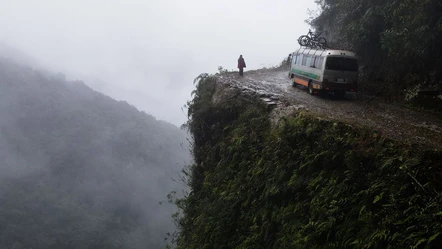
325	70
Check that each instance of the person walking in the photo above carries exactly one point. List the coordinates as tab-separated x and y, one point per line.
241	65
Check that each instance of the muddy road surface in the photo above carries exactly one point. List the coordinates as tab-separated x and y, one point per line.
393	121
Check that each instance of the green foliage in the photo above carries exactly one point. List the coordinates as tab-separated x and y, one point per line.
398	41
307	183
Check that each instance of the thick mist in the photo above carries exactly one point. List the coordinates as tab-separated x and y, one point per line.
81	170
149	52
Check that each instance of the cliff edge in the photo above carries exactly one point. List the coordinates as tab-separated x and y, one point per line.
271	172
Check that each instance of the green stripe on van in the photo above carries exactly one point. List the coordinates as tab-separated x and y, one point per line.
306	74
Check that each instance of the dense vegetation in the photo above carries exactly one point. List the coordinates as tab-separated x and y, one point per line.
302	183
399	42
79	169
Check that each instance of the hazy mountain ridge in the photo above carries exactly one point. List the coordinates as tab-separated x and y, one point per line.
12	53
81	170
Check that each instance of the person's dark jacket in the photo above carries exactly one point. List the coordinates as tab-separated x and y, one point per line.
241	63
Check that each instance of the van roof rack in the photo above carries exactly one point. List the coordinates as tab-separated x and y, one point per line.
322	51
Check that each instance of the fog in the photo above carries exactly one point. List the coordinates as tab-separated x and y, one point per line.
149	52
93	166
81	170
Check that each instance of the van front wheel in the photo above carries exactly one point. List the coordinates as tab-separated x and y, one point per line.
310	88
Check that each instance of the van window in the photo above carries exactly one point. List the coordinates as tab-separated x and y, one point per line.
318	62
312	61
304	60
341	64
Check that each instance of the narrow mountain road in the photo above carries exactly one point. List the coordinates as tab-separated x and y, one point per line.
395	122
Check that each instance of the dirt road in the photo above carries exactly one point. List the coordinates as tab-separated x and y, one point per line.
395	122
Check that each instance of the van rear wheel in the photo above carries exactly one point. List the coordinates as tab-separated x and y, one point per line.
310	88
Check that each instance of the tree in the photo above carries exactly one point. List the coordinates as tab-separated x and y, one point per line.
398	41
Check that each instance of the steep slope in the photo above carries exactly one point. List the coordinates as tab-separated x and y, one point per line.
301	179
79	169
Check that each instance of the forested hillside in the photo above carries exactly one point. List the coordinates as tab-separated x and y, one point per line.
399	42
79	169
298	179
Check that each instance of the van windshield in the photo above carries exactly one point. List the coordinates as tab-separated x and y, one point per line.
341	64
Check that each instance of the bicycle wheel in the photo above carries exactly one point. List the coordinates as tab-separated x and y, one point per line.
313	44
304	40
322	42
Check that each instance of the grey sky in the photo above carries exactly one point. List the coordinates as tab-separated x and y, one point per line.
148	52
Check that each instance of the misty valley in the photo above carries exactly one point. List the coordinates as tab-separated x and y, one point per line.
221	124
81	170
